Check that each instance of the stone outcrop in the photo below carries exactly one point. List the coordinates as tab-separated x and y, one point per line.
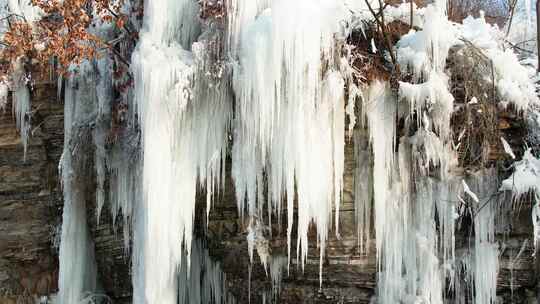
30	199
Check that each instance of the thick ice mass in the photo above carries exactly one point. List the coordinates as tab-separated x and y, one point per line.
290	112
525	178
77	270
184	119
275	91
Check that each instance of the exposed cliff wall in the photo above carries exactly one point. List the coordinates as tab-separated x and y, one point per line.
30	199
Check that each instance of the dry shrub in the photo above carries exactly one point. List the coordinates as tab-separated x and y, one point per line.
479	126
63	33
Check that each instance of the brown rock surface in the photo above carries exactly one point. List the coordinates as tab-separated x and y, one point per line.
30	199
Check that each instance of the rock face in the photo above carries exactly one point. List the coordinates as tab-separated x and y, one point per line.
30	205
30	199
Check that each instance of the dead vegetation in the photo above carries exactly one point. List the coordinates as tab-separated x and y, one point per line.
479	121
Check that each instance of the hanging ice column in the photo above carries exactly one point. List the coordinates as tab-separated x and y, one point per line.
486	250
184	124
406	192
406	199
406	238
19	78
77	274
21	102
290	111
204	281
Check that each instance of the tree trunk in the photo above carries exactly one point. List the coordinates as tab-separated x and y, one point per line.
412	13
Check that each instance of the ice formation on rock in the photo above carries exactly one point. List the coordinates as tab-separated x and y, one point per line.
203	281
363	181
77	269
525	178
21	103
278	265
486	252
290	112
184	122
257	239
287	66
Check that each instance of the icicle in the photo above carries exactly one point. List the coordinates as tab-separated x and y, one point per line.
507	148
406	200
363	192
184	119
430	283
536	225
486	252
447	190
204	281
432	152
380	110
163	90
277	265
21	103
170	21
240	14
124	184
525	177
19	78
431	97
290	120
104	98
256	239
77	274
4	89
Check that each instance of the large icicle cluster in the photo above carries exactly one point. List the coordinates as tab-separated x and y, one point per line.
406	197
289	128
415	206
293	90
87	114
184	122
406	203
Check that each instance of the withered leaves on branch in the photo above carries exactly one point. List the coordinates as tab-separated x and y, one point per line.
63	33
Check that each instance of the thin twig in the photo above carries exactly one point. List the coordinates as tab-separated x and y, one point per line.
512	8
382	26
517	47
117	54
